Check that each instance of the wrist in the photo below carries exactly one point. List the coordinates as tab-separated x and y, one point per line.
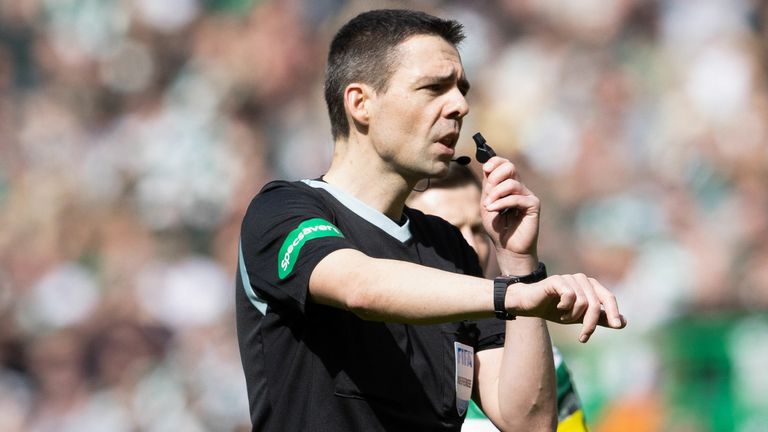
512	301
513	263
506	299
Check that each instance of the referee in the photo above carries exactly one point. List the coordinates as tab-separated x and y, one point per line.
357	313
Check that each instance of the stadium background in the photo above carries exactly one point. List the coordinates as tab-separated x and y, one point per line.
134	133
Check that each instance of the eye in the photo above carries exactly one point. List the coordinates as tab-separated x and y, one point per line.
434	88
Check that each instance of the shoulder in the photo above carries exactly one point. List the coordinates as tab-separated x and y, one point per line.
282	202
281	196
283	189
430	223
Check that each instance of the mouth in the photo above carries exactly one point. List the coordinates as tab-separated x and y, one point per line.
449	141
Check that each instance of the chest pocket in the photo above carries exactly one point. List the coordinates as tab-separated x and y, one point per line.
404	368
375	365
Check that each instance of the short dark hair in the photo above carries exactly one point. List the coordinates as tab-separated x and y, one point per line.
363	50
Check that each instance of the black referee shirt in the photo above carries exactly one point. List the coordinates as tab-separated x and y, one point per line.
311	367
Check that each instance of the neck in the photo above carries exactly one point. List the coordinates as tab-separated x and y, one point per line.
357	170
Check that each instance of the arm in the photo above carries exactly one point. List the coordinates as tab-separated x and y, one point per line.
516	384
515	388
398	291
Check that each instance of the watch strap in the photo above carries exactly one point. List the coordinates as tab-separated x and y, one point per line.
502	283
537	275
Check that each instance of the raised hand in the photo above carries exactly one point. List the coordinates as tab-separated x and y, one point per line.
510	211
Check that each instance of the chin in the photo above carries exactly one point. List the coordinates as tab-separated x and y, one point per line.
436	170
440	169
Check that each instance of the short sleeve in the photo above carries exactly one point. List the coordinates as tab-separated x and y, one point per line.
492	334
287	229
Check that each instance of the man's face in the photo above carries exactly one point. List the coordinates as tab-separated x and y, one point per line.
460	206
415	123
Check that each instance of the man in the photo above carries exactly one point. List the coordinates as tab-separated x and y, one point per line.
355	312
456	198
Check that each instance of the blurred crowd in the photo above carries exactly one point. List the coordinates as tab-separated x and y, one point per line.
133	135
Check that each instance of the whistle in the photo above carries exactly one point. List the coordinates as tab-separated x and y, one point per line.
484	151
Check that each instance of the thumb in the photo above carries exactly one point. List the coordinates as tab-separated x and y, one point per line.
567	298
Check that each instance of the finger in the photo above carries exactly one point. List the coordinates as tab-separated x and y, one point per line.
563	291
501	172
492	163
605	321
506	187
592	315
527	202
509	187
610	305
580	304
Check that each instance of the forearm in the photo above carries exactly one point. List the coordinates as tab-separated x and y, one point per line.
522	394
527	390
398	291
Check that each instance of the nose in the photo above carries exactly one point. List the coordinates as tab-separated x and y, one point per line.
457	107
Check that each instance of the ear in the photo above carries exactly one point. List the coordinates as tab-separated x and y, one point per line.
357	101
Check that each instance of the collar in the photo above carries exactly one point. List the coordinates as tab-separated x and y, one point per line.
400	232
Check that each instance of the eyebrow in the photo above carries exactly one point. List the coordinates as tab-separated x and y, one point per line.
463	83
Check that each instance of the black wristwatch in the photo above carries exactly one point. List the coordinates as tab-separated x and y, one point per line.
501	283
